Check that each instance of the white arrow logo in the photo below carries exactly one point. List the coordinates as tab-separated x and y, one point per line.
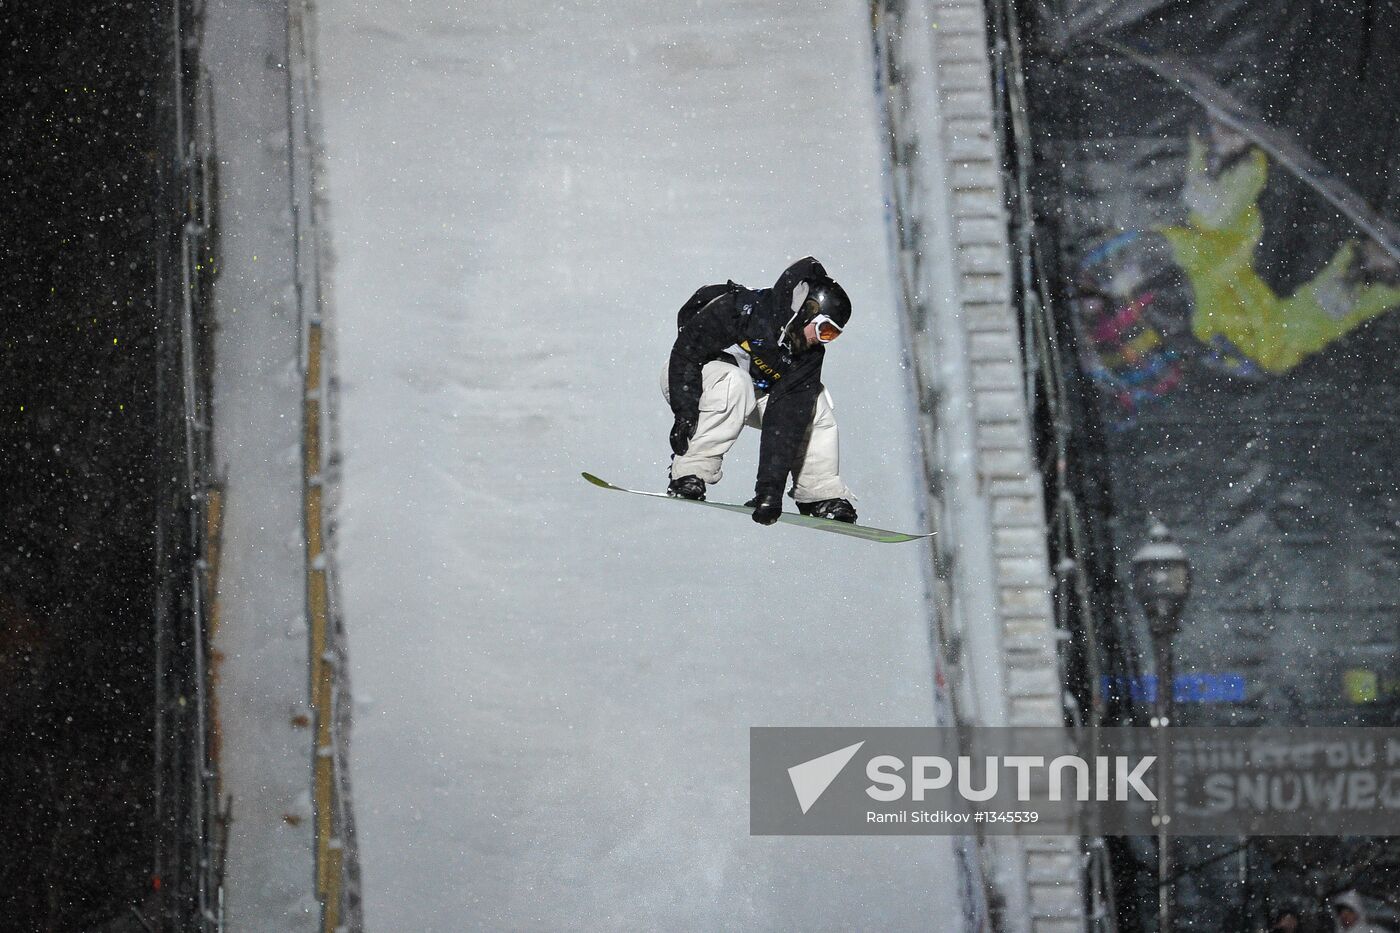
811	778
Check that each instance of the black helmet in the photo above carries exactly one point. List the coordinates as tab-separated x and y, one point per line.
824	296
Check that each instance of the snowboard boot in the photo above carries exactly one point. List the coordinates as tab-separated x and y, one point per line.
839	510
687	487
767	507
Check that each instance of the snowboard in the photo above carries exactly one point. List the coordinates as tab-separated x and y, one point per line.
790	518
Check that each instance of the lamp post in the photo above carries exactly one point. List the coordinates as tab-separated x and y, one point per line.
1161	583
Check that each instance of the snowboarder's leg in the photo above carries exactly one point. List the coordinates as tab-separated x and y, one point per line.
726	401
818	476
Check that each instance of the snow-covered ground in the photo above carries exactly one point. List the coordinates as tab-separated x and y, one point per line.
555	683
261	645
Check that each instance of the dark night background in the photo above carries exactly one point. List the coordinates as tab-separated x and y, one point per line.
84	184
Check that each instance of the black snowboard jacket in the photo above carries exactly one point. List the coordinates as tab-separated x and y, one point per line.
718	317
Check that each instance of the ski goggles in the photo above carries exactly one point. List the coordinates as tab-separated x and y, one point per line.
827	329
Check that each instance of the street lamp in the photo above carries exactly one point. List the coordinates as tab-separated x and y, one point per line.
1161	584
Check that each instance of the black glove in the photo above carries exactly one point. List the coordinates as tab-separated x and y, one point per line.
767	506
681	432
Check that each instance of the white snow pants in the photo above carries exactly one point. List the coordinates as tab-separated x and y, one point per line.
727	403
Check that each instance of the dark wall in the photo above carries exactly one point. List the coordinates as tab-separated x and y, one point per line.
81	149
1249	397
1216	211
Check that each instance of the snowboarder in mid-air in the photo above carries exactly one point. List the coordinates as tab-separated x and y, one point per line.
745	356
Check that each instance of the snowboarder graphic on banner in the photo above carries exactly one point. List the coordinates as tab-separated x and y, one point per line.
754	357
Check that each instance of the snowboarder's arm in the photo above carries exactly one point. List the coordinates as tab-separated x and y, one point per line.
785	424
708	332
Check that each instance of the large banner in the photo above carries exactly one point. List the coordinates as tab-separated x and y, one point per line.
1221	182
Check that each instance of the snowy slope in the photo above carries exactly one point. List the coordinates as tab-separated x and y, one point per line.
555	683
